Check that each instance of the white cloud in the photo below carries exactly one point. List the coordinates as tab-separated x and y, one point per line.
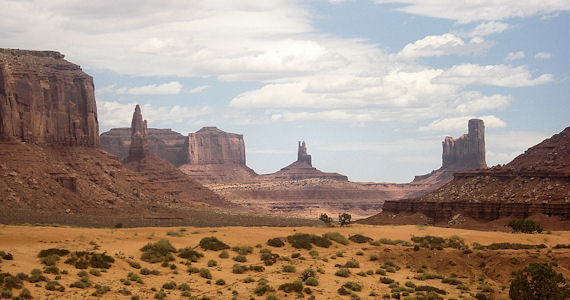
460	123
105	90
115	114
170	88
543	55
198	89
489	28
515	55
492	75
446	44
483	10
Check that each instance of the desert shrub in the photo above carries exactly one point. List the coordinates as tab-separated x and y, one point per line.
224	254
262	287
288	269
51	270
25	294
561	246
344	219
435	242
248	280
10	282
342	272
243	250
271	296
452	281
205	273
54	286
220	282
539	281
352	263
481	296
296	255
353	286
410	284
425	276
512	246
134	277
6	293
359	238
239	269
146	271
257	268
133	264
212	263
374	257
100	290
169	285
193	270
380	272
212	243
49	260
337	237
267	257
160	295
326	219
190	254
525	226
240	258
305	241
275	242
386	280
36	276
85	259
184	287
312	281
295	286
158	252
314	253
308	273
6	255
53	251
428	288
95	272
175	233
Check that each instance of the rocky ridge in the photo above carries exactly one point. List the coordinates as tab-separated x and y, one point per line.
535	182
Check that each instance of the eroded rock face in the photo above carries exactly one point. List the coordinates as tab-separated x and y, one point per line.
210	145
462	154
535	182
139	138
302	155
165	143
468	151
46	100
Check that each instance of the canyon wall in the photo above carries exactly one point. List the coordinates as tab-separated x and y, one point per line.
468	151
210	145
46	100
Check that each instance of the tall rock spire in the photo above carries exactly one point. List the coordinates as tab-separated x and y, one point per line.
139	140
468	151
302	155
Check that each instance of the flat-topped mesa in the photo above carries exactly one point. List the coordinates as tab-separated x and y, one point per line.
139	136
210	145
468	151
302	155
46	100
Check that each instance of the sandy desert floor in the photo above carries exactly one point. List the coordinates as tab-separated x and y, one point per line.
479	271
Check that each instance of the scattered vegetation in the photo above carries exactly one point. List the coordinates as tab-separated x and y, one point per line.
435	242
85	259
525	226
190	254
539	281
344	219
337	237
275	242
359	238
160	251
212	243
326	219
305	241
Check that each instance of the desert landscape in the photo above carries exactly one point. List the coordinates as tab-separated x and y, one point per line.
128	177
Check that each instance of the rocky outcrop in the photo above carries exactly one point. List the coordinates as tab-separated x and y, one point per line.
162	175
216	156
535	182
302	169
165	143
46	100
462	154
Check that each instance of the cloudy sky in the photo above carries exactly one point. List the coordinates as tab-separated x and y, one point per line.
372	86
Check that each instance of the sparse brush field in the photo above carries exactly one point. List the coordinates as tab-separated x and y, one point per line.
355	262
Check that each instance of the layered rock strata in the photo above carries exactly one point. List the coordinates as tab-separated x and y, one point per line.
46	100
535	182
162	175
165	143
462	154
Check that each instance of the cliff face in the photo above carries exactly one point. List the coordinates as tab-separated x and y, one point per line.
462	154
210	145
139	138
536	182
46	100
165	143
468	151
302	155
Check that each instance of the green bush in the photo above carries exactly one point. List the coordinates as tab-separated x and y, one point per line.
288	269
212	263
240	258
353	286
305	241
54	286
386	280
212	243
190	254
267	257
344	219
326	219
337	237
539	281
205	273
243	250
239	269
342	272
133	264
84	259
427	288
352	263
160	251
220	282
224	254
524	226
53	251
262	287
295	286
359	238
275	242
169	285
435	242
146	271
312	281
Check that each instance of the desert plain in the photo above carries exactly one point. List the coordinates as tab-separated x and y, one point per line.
459	273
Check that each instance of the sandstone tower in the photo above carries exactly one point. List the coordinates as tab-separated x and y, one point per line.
468	151
302	155
139	139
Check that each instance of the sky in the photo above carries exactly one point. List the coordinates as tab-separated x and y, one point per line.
372	86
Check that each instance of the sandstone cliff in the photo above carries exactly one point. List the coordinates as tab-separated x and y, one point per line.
165	143
216	156
46	100
462	154
536	182
163	176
